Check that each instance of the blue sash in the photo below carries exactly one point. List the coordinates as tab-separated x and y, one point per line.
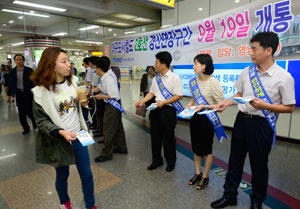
167	95
213	116
259	92
115	104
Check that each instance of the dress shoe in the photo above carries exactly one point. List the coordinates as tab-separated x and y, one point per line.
222	203
256	205
118	150
102	158
26	131
169	168
153	166
101	141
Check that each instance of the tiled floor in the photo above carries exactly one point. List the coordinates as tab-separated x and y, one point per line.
124	182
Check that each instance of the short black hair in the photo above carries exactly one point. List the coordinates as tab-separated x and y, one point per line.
205	59
164	58
20	56
150	67
93	59
86	60
266	40
103	63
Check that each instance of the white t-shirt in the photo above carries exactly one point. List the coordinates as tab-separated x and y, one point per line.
66	103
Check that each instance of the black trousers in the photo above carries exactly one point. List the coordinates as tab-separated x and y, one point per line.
253	136
25	109
113	131
163	122
99	115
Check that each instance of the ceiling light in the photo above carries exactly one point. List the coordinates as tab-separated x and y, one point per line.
21	17
97	32
60	34
124	16
200	9
143	29
89	28
104	21
88	42
17	44
142	20
237	1
166	26
115	34
109	29
0	35
40	6
121	24
130	32
11	21
24	13
32	12
72	50
1	47
4	24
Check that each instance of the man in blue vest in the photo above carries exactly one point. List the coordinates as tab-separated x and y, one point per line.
272	91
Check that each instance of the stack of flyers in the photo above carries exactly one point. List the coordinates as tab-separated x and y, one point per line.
205	112
187	112
241	100
152	106
85	138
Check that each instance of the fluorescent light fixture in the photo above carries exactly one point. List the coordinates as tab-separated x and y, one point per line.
237	1
32	12
88	42
4	24
121	24
97	32
73	50
24	13
60	34
1	47
166	26
11	21
89	28
0	34
115	34
123	16
40	6
200	9
104	21
21	17
142	20
17	44
7	156
129	32
109	29
143	29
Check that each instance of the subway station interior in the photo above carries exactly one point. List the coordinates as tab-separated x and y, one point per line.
131	33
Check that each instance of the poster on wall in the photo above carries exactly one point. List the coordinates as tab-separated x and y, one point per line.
224	36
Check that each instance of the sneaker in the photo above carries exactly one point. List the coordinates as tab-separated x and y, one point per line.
95	207
196	178
202	183
66	205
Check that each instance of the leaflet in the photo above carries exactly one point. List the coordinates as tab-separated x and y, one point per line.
187	112
205	112
153	106
241	100
85	138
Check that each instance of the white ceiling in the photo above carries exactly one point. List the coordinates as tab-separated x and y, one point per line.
112	16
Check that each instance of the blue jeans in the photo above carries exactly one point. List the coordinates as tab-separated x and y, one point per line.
83	166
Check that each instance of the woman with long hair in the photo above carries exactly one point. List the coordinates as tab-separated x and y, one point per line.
59	118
